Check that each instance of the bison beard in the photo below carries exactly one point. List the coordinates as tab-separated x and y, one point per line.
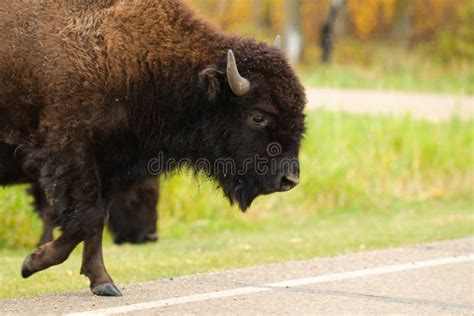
132	218
92	91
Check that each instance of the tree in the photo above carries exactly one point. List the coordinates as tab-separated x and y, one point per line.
294	41
401	28
327	31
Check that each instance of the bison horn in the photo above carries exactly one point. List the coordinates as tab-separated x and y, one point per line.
277	42
238	84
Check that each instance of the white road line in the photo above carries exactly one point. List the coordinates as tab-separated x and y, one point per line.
271	286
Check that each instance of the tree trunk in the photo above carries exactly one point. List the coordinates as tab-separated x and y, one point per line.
327	31
402	25
293	36
222	7
257	16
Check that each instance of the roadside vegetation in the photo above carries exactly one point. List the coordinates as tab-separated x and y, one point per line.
417	45
383	66
367	182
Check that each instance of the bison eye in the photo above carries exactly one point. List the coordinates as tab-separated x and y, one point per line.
259	120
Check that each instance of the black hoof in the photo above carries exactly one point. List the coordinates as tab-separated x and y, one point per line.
107	289
25	270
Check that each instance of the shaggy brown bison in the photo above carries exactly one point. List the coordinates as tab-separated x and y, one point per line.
132	218
92	91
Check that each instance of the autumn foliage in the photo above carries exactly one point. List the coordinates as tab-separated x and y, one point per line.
409	21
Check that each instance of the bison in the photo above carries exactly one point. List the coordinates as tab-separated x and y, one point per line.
91	92
132	213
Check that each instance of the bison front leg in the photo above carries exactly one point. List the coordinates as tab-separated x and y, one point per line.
73	191
93	266
50	254
41	208
47	234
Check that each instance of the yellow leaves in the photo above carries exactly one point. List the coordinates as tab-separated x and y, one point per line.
364	16
313	16
430	15
246	17
372	17
388	10
276	12
368	16
233	13
362	19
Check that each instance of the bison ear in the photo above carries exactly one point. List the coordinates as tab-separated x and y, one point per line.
210	81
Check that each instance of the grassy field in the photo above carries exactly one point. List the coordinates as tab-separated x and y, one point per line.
376	66
381	77
367	182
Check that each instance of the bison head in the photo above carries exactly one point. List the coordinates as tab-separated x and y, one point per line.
257	122
132	213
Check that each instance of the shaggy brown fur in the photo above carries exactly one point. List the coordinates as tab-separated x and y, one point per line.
133	213
91	90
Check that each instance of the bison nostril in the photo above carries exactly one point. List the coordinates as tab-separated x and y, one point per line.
292	178
152	237
288	181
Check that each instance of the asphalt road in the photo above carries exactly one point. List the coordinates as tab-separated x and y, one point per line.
435	278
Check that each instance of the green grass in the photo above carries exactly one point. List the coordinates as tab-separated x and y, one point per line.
359	66
367	182
381	78
263	241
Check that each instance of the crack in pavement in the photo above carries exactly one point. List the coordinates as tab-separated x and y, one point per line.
387	299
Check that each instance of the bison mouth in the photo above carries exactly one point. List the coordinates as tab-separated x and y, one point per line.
244	193
242	196
244	190
239	191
